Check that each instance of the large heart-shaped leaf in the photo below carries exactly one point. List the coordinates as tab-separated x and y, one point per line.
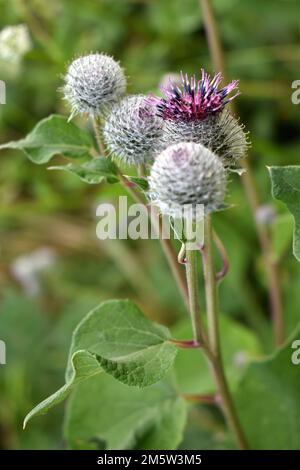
267	400
105	413
127	345
117	338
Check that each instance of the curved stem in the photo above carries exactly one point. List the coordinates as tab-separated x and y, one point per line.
221	249
165	242
271	267
215	356
167	247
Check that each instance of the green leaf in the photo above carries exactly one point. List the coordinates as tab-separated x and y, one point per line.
267	400
128	346
142	183
51	136
93	171
83	365
105	413
167	432
118	338
281	234
286	188
205	431
239	346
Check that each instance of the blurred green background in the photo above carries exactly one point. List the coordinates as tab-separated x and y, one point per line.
52	268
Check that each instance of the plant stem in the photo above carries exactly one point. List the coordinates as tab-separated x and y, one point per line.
185	344
97	131
203	399
165	242
211	291
215	355
169	252
193	291
271	267
213	37
221	249
131	189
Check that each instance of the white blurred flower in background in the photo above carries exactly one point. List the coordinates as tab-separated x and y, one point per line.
27	268
15	42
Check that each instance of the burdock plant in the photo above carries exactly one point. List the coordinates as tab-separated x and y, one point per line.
188	141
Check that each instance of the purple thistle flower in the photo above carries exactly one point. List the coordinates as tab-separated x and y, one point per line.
193	100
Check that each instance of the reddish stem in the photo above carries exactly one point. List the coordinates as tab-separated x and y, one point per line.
186	344
204	399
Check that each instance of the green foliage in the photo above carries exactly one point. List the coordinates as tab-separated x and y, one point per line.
83	366
151	39
117	338
26	331
239	347
127	345
93	171
52	136
282	234
171	18
286	188
151	418
142	183
267	400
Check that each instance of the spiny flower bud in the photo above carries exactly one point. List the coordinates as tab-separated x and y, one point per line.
194	112
186	175
221	133
94	83
132	129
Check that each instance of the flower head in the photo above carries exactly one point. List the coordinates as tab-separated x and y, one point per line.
221	133
186	175
132	129
194	100
195	112
93	83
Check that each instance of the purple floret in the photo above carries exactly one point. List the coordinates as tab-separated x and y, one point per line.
193	100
